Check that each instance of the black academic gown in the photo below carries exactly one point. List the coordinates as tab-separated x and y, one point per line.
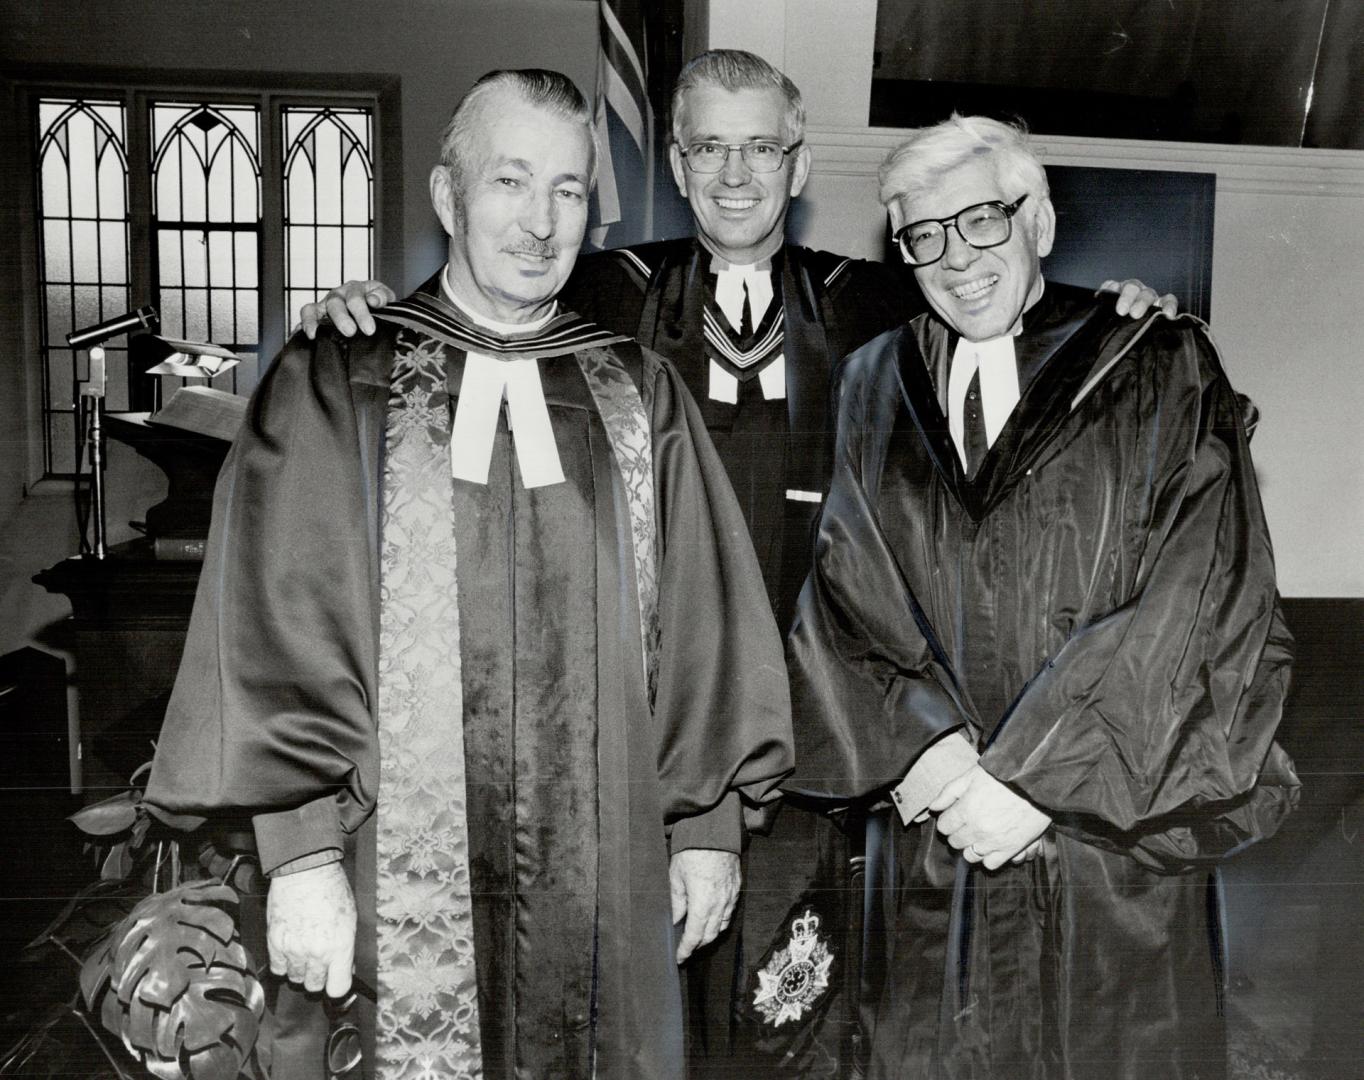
656	293
572	777
1096	609
832	304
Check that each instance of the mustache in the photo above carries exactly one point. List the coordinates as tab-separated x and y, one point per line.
542	248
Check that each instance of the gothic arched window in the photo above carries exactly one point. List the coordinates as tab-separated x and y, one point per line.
226	212
206	225
83	214
328	200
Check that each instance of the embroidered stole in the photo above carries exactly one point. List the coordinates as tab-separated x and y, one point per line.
427	1018
627	427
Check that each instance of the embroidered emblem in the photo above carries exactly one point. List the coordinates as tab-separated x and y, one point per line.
796	976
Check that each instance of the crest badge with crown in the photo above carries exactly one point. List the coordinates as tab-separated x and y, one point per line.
796	975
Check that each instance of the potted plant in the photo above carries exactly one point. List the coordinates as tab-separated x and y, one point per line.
144	972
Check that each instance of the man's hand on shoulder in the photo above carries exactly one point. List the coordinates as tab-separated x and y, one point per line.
348	307
310	927
986	820
705	887
1136	298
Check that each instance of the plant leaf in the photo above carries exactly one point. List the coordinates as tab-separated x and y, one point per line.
179	987
62	1044
87	915
108	817
140	828
118	864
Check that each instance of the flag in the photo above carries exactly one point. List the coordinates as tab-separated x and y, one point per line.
625	122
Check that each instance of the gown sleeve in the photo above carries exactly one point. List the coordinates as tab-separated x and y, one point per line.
1151	730
870	689
722	708
270	713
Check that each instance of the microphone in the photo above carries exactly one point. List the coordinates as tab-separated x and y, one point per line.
93	335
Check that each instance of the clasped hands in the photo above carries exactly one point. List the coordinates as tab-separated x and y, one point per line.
988	822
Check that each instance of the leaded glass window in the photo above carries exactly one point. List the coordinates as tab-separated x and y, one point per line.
207	225
225	212
328	200
83	211
206	205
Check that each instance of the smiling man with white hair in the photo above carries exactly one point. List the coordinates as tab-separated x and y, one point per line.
1042	620
480	614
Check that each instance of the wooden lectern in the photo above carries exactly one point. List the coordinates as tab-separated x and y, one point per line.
130	611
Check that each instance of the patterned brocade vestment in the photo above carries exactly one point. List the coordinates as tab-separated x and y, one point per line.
570	776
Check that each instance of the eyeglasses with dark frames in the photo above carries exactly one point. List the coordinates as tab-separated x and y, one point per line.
759	155
982	225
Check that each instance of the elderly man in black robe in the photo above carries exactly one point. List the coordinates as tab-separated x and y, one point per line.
479	606
1042	618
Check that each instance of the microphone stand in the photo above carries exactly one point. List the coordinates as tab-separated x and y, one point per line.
93	337
93	391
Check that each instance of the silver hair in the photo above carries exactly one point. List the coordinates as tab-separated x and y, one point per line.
919	162
734	69
551	91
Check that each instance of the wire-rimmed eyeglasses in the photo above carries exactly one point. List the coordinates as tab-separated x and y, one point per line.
759	155
983	225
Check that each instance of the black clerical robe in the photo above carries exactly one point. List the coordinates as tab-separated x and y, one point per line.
573	776
657	293
777	454
1096	609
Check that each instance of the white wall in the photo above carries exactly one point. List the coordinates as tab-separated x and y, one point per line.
1287	302
825	47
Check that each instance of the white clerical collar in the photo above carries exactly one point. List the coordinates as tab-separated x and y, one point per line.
487	382
495	325
719	265
997	363
724	262
740	285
